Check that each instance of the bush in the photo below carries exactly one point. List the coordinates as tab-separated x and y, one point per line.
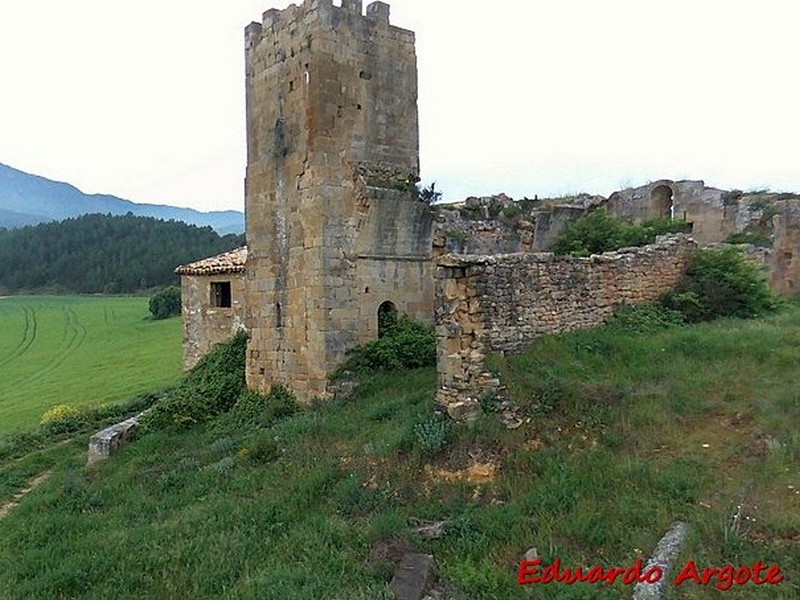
433	435
264	449
166	303
645	318
599	232
429	195
256	409
406	344
61	418
211	387
719	282
757	238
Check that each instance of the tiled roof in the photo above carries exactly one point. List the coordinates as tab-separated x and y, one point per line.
227	262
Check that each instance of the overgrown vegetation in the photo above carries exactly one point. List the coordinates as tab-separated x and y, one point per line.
622	433
757	238
428	194
599	232
103	254
63	420
212	387
719	282
406	344
216	385
166	303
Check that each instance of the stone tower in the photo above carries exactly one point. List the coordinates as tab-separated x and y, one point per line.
334	229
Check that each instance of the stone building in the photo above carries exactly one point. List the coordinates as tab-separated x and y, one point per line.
335	231
714	215
337	236
212	293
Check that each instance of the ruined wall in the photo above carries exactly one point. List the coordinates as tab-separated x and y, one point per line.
714	214
500	225
203	324
498	303
333	224
784	262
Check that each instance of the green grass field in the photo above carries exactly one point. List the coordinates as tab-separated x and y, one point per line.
624	434
80	351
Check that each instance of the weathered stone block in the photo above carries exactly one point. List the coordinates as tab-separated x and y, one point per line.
106	442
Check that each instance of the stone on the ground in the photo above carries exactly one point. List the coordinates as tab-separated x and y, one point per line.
106	442
465	410
663	557
412	577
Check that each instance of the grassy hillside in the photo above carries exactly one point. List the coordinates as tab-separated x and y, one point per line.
80	351
623	434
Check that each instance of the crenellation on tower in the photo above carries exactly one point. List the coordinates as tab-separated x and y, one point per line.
354	6
378	11
334	228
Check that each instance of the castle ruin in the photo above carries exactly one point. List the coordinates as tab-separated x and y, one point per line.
335	231
337	236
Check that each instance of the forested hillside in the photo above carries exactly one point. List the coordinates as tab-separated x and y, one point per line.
27	199
103	254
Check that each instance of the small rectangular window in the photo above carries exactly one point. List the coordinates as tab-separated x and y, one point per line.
221	294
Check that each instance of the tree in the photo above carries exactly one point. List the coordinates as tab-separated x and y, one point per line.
166	303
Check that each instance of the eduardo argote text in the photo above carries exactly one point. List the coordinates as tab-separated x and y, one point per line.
722	578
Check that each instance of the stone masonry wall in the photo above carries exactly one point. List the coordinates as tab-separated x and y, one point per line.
203	324
502	303
333	224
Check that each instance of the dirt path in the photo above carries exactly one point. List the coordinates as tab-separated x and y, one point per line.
14	502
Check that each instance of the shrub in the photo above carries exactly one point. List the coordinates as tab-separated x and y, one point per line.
645	318
264	449
254	408
61	418
719	282
599	232
405	345
512	211
433	435
211	387
429	195
757	238
166	303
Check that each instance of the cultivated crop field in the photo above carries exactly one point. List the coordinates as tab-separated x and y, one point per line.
80	351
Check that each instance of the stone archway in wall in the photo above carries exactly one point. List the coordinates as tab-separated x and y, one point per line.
387	317
662	204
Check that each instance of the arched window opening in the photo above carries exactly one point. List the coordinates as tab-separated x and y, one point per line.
661	202
387	318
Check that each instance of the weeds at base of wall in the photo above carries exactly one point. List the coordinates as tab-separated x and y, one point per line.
405	345
718	283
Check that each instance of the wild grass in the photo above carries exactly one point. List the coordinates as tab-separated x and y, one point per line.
623	433
80	351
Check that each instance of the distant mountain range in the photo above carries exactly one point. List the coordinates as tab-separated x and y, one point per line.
27	199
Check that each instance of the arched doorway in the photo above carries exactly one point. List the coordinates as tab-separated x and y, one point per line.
661	204
387	317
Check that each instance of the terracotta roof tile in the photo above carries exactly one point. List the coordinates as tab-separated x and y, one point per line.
227	262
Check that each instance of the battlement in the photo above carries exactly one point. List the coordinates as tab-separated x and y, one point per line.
323	11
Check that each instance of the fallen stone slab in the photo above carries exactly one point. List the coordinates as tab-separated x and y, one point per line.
663	557
106	442
412	577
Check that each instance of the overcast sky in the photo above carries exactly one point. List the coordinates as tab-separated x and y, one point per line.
145	99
